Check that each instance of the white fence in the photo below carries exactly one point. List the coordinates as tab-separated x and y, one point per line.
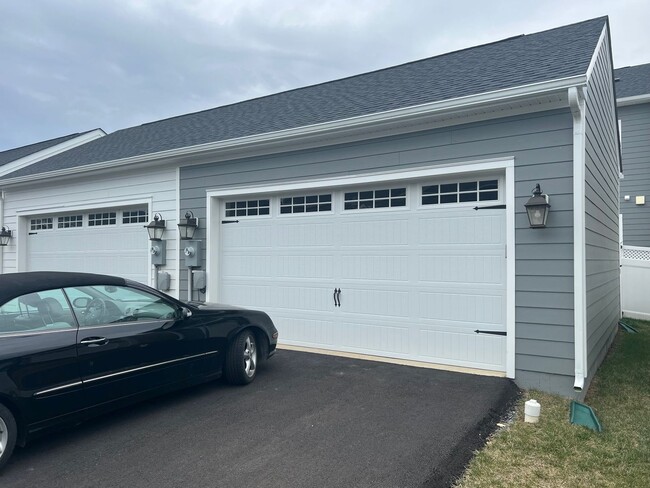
635	282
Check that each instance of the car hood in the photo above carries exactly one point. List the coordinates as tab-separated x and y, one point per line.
207	306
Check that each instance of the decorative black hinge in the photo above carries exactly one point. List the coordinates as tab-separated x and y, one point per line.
230	221
489	207
491	332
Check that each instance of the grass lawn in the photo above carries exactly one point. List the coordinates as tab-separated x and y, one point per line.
555	453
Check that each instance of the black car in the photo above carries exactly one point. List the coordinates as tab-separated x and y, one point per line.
74	345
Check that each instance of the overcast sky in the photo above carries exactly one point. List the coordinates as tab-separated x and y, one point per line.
73	65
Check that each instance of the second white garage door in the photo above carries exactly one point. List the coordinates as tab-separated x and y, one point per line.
104	241
406	271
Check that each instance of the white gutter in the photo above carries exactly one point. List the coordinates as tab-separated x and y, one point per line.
577	104
635	100
327	128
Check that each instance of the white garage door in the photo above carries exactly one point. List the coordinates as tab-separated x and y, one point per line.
418	268
102	241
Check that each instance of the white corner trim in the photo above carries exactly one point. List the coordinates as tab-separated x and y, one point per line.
578	109
51	151
635	100
332	128
594	57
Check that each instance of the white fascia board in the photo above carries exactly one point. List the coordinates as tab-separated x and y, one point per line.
51	151
328	129
635	100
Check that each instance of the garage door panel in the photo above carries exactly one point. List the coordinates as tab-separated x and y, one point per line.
300	233
306	330
461	269
372	337
457	229
453	347
371	232
375	267
463	307
388	303
272	296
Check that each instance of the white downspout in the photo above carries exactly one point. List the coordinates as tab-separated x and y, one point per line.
577	104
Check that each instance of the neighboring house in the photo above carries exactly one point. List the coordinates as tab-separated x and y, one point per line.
347	209
633	99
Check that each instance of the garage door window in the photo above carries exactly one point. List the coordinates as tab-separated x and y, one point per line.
460	192
105	218
41	224
69	221
306	204
384	198
248	208
135	216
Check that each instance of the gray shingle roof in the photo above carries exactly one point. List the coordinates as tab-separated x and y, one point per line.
20	152
522	60
632	81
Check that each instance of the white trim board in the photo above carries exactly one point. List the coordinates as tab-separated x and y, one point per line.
504	164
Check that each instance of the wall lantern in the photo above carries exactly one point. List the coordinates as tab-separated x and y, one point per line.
537	208
5	235
188	227
156	228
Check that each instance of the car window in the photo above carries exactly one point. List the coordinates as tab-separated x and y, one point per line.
100	304
42	311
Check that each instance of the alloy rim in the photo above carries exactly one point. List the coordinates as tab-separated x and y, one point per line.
4	436
250	357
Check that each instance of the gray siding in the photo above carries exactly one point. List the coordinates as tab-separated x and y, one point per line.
601	211
635	141
542	146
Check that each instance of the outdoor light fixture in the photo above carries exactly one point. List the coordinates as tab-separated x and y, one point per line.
156	228
537	208
188	227
5	235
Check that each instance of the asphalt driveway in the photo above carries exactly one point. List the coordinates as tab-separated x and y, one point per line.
307	420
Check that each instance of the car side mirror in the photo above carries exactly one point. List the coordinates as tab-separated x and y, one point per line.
185	313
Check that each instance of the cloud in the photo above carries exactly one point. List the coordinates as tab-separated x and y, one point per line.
72	65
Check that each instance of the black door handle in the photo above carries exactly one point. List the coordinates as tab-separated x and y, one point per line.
338	296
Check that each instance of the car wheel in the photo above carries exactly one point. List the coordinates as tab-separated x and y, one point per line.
7	434
240	367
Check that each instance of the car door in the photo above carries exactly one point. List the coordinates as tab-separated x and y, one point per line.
131	342
38	357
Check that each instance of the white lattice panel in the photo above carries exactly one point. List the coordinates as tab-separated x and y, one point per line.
636	253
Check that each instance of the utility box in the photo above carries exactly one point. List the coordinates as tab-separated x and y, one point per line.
199	281
164	281
192	253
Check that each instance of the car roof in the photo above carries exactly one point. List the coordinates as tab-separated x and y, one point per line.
13	285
